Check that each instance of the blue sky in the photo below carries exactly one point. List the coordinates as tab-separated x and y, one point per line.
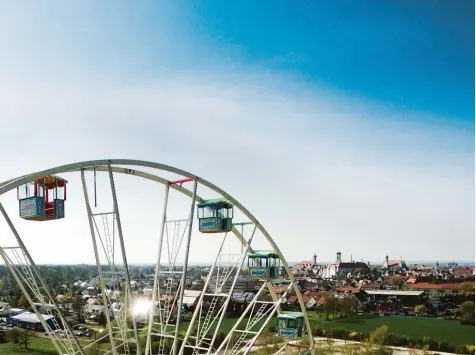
358	115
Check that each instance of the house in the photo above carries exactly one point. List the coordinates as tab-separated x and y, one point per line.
243	284
341	268
242	297
31	321
305	265
406	297
78	283
93	301
462	273
347	290
93	312
394	266
436	289
308	301
191	297
5	309
44	307
16	311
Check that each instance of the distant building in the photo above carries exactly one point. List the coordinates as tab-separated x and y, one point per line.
5	309
394	266
243	284
31	321
341	268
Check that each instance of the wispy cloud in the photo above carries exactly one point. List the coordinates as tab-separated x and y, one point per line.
322	170
316	168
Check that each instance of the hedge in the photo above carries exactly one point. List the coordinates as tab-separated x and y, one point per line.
396	340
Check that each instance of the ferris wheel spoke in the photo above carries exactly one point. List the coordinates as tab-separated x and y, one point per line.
156	290
128	292
185	267
98	263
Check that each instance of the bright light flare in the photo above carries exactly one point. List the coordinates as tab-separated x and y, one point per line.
141	307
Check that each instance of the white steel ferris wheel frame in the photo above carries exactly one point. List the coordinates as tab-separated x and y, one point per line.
27	276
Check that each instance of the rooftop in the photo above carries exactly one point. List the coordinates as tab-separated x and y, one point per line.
30	317
394	293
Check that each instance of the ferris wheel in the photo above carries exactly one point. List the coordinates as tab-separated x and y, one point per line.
159	322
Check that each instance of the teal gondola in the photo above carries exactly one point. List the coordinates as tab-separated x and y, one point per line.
215	216
290	324
264	265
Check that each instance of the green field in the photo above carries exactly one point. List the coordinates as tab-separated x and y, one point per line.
439	330
413	327
38	346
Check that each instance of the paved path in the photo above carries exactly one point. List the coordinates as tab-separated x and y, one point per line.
339	343
396	350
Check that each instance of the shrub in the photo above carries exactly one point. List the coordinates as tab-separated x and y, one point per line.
467	321
318	332
339	333
445	347
461	349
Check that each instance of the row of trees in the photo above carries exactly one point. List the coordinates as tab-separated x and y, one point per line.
339	305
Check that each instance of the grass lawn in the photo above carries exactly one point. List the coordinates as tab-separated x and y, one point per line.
38	346
414	327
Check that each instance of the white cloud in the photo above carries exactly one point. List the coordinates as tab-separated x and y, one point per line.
321	171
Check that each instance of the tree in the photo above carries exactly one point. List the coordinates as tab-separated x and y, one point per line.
21	336
467	287
23	302
347	304
331	305
467	312
420	309
375	344
78	306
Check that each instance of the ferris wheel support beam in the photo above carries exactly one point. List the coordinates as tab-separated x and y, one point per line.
185	267
196	312
227	301
156	276
104	165
37	274
98	262
238	322
124	256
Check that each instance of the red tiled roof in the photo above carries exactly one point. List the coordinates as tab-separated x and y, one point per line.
372	285
429	286
318	294
292	299
348	289
394	262
322	300
411	280
463	271
387	278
